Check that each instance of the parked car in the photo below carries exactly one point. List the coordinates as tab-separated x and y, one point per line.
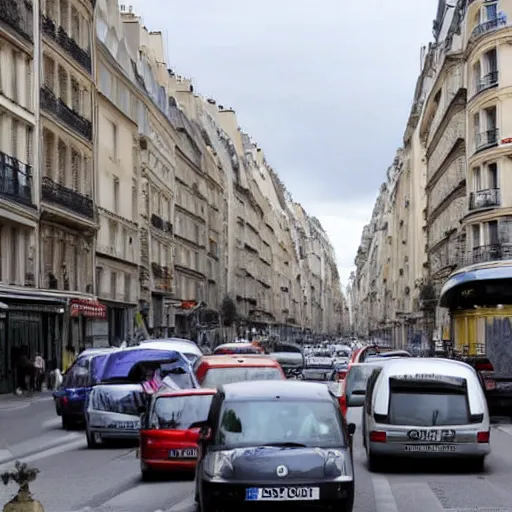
274	443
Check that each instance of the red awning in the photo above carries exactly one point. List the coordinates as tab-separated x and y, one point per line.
89	308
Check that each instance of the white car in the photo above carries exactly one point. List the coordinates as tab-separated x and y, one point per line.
433	408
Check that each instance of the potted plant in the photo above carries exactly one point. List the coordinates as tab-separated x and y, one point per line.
23	501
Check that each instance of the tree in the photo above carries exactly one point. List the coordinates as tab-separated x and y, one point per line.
228	311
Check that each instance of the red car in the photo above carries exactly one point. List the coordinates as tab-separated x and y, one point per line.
170	430
238	348
213	371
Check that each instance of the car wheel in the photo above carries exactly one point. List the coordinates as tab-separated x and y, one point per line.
147	475
374	463
94	440
66	422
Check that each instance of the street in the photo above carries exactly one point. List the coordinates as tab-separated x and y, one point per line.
74	479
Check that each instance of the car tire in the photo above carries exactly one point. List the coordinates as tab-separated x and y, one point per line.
147	475
65	421
374	463
92	443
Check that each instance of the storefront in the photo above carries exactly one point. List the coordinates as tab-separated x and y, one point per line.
120	321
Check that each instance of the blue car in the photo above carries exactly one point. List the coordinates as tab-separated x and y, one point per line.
84	373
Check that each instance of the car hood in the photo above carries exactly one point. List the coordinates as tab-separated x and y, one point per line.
261	464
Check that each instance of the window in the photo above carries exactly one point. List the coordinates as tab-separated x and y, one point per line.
255	423
493	232
99	276
113	140
14	71
14	138
113	284
105	81
490	61
112	235
115	192
492	175
477	179
30	143
491	118
476	235
127	287
197	235
476	125
180	412
197	262
477	76
491	11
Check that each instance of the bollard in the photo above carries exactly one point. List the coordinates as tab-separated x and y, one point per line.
23	501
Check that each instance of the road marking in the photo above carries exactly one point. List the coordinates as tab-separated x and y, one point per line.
505	428
47	453
384	499
54	422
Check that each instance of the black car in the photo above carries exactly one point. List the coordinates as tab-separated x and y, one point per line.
273	444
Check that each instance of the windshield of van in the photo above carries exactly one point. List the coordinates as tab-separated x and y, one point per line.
428	406
180	412
277	423
216	377
357	378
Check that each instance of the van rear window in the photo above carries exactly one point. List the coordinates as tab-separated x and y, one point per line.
428	407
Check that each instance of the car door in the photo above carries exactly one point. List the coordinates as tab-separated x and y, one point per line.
72	394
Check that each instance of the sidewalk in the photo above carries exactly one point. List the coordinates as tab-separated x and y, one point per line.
10	401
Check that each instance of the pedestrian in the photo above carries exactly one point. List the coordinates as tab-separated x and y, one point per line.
25	371
39	370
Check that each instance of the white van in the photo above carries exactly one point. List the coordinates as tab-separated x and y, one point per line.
422	407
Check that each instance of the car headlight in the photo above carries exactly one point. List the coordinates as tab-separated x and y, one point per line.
335	464
219	465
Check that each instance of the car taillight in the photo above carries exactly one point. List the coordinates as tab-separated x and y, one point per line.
483	437
342	374
65	401
377	436
343	404
484	367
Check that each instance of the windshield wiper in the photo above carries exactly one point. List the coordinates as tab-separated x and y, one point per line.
286	445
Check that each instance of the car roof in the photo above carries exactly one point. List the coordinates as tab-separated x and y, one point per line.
271	389
426	365
91	352
186	346
185	392
234	360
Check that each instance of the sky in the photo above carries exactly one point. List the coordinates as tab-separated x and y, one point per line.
323	86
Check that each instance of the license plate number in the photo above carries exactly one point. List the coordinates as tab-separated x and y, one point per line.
186	453
282	494
430	448
128	425
424	435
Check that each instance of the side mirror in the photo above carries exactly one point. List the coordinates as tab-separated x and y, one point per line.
351	429
205	434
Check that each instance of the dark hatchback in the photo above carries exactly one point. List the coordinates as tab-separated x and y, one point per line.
274	444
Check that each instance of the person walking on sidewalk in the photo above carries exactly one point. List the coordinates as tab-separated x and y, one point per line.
39	371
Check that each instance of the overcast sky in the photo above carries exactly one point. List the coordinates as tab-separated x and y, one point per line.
324	87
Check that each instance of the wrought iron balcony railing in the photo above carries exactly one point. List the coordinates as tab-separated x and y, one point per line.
15	180
486	139
489	80
488	26
160	272
484	198
18	15
488	253
67	115
65	197
67	43
163	225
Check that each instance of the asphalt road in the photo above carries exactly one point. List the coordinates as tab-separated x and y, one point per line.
74	479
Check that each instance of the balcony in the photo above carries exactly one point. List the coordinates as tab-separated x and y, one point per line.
162	277
18	15
488	26
486	253
161	224
488	81
67	115
60	195
15	180
486	139
487	198
67	43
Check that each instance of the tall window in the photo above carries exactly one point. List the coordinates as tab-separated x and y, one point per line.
491	11
113	284
493	232
115	192
490	61
477	76
477	179
492	175
476	235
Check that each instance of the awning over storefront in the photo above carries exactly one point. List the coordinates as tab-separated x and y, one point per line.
478	287
89	308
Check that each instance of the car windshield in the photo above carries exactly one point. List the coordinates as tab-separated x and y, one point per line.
279	422
118	399
357	378
427	407
180	412
216	377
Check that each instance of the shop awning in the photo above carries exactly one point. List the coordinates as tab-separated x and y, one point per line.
89	308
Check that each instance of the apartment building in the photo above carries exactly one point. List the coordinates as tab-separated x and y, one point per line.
118	178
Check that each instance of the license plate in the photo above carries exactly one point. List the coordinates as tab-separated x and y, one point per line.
424	435
430	448
186	453
125	425
282	494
